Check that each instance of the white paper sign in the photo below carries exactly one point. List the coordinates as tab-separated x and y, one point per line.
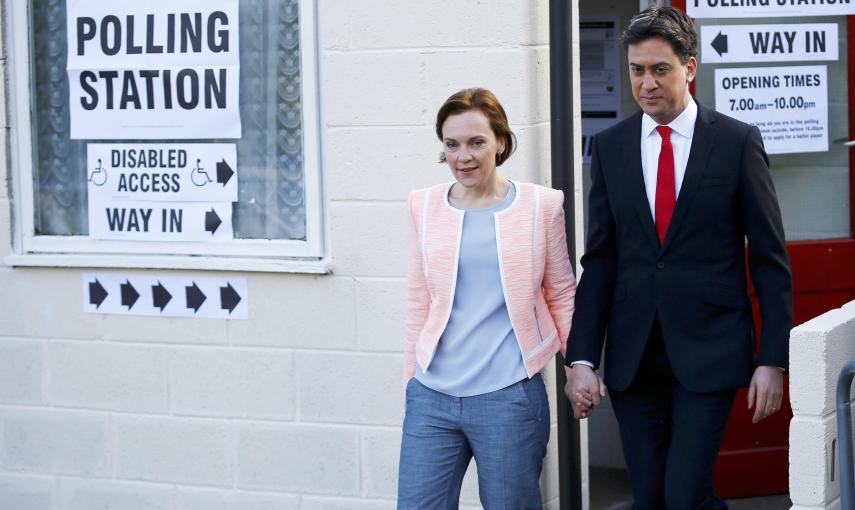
788	104
160	221
153	70
165	296
197	172
768	8
768	43
600	77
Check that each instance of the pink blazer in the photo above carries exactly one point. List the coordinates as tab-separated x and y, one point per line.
536	276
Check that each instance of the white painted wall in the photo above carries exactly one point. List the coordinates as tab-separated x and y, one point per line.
300	406
818	350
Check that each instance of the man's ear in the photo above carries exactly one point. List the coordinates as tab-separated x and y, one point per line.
691	69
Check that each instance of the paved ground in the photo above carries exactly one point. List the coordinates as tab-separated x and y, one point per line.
610	491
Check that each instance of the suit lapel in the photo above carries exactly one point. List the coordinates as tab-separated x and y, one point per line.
703	141
443	226
635	181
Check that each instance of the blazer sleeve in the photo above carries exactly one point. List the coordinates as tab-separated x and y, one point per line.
559	284
768	262
596	281
418	296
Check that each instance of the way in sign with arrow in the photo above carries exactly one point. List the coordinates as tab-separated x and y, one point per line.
161	221
165	296
719	44
212	221
769	42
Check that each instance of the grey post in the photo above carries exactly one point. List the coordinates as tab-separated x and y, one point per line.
844	436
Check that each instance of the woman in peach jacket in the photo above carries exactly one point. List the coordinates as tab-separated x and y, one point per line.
489	303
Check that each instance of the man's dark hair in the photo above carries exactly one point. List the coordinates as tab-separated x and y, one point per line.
671	24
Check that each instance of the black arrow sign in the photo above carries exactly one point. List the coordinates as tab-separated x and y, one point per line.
224	172
229	298
212	221
160	296
195	297
129	294
719	44
97	293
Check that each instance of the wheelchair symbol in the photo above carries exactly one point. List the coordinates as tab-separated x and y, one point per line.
99	175
199	176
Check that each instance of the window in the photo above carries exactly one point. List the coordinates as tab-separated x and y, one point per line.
278	216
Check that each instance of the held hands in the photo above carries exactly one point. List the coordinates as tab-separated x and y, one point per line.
584	390
765	392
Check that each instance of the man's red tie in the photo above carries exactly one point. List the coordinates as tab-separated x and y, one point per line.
666	194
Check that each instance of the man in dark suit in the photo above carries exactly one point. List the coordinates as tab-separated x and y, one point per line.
676	190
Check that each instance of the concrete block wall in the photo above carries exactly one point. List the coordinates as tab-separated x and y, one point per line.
818	350
300	406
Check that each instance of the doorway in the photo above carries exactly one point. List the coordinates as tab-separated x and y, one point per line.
815	188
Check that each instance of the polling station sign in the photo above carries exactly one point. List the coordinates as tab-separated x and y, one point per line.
788	104
160	69
768	43
768	8
170	172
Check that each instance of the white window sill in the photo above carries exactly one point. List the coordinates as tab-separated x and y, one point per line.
270	265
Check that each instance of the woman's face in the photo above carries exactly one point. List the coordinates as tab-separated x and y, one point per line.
470	148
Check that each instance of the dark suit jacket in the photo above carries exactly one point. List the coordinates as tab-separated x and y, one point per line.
696	279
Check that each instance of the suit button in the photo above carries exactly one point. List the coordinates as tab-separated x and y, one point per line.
660	265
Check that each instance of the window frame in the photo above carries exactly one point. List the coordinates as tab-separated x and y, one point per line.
310	255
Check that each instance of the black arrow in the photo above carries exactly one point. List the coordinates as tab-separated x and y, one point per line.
195	297
224	172
719	44
97	293
229	298
212	221
160	296
129	294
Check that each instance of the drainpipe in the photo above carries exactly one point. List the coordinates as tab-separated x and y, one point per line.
561	26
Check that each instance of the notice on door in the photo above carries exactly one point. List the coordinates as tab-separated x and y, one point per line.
768	43
600	63
768	8
788	104
160	69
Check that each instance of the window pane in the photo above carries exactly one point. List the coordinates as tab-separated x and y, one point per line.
271	202
812	187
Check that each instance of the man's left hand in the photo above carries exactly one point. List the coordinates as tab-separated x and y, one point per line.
765	392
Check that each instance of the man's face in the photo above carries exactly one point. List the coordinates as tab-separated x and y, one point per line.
660	82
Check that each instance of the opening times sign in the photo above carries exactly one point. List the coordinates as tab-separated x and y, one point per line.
768	8
788	104
153	70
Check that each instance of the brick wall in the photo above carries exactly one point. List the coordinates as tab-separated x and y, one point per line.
818	350
300	406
